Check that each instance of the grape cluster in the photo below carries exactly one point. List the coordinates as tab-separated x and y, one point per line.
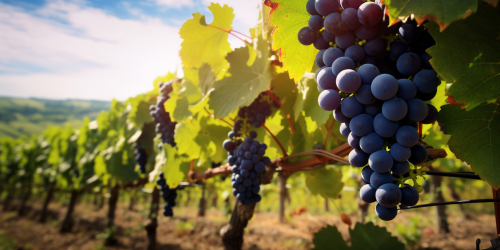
257	112
164	124
141	157
168	195
248	163
358	80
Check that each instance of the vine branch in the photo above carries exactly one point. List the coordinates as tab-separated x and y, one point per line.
328	133
275	139
270	94
219	118
229	32
449	203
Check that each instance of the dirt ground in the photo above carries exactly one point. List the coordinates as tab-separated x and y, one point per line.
187	231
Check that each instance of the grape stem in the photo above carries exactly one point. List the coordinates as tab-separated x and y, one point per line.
219	118
275	139
328	134
420	129
229	32
449	203
270	94
466	175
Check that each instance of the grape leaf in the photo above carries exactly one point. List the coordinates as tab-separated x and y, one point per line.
326	182
307	100
286	90
185	134
172	166
467	54
139	114
245	83
327	238
475	138
205	44
288	17
363	236
207	79
443	12
369	236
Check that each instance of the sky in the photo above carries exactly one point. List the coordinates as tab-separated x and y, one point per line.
97	49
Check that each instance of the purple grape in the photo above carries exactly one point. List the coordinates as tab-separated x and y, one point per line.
342	63
368	72
348	81
325	7
365	33
356	53
331	54
350	18
345	40
408	64
329	100
307	36
369	14
315	23
374	46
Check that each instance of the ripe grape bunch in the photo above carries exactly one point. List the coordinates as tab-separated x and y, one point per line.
358	80
168	195
258	110
141	157
164	124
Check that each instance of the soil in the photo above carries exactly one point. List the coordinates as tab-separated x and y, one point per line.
188	231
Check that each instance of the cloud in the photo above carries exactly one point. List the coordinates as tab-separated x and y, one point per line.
82	52
175	3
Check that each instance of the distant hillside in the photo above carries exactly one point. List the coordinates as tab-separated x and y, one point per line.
20	117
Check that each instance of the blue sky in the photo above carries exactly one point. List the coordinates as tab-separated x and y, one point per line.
97	49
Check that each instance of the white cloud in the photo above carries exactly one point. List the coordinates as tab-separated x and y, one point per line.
175	3
85	53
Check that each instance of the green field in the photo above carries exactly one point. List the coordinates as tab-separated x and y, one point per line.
19	117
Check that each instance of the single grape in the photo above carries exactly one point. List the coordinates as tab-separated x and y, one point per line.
361	125
358	158
381	161
351	107
366	173
344	129
373	109
426	81
431	115
386	214
368	72
384	127
334	25
345	40
228	145
339	116
379	179
329	100
342	63
351	4
400	168
397	48
369	14
388	195
307	36
365	33
408	32
409	196
331	54
353	141
384	86
356	53
409	64
400	153
406	89
328	36
424	58
394	109
418	154
253	134
315	23
326	79
417	110
350	18
311	9
369	60
319	60
407	136
321	43
367	193
374	46
364	95
325	7
371	142
348	81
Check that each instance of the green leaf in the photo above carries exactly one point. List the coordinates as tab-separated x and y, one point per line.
245	83
139	114
475	138
172	166
207	79
286	90
288	18
443	12
326	182
185	134
369	236
217	135
467	54
328	238
363	237
205	44
307	100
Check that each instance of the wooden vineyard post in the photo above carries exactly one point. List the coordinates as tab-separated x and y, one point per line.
496	195
67	223
152	223
232	233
